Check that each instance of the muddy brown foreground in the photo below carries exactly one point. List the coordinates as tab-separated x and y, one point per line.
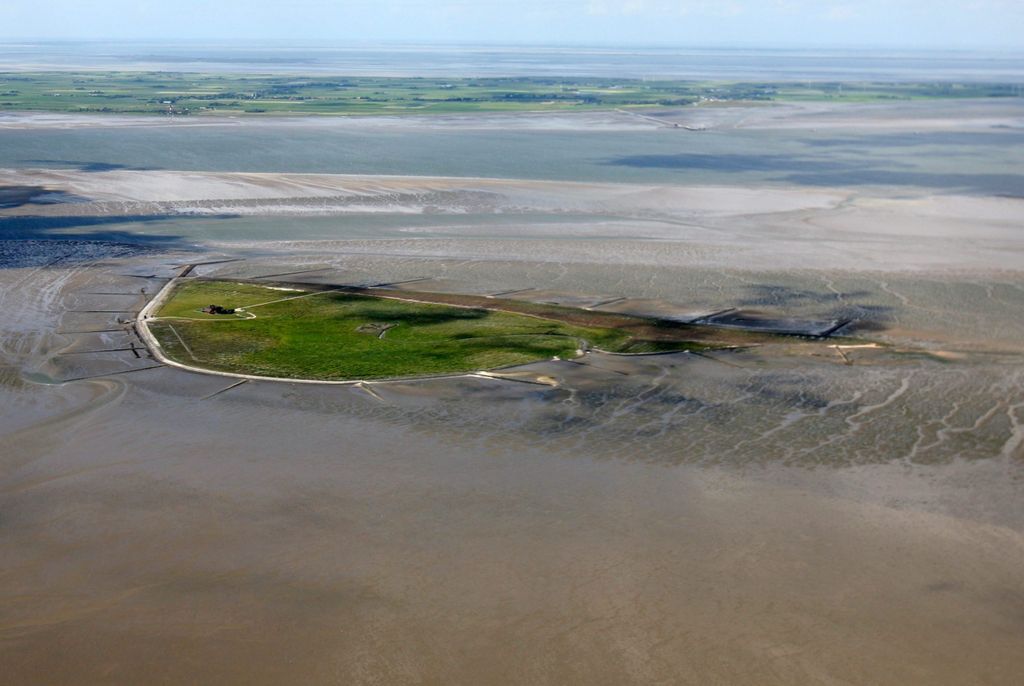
791	514
657	519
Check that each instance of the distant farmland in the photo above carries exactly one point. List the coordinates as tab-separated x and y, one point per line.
197	94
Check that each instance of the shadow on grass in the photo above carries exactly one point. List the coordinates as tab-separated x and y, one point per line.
436	314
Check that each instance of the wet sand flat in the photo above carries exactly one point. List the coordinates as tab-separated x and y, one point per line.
791	514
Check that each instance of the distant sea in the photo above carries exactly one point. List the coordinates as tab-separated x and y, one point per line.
724	64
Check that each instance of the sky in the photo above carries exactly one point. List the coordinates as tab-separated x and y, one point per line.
993	24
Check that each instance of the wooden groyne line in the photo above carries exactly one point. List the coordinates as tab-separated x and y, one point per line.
653	120
133	295
828	332
225	389
604	303
123	371
706	318
386	284
302	271
103	350
512	292
207	262
75	333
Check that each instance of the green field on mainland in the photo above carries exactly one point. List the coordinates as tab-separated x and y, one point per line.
337	336
180	94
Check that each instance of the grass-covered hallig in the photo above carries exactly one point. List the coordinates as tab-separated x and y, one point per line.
336	336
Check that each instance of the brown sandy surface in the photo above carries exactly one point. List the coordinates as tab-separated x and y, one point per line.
792	514
407	558
665	519
117	191
924	115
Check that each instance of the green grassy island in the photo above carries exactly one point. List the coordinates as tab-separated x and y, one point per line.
342	334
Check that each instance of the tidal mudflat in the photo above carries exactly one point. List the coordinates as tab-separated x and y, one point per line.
804	513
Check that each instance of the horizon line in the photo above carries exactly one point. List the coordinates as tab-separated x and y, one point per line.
602	45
